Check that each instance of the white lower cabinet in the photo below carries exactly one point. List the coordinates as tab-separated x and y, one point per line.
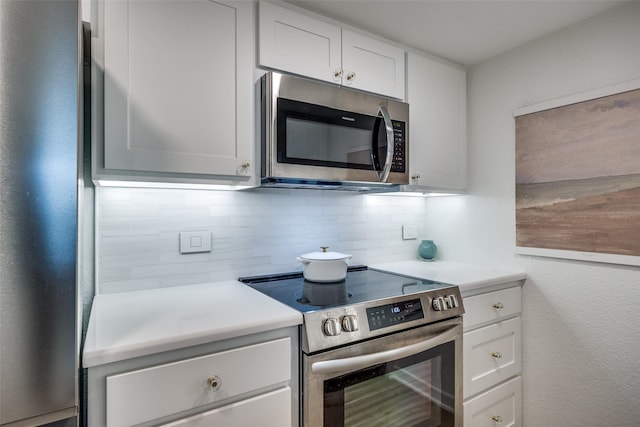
269	410
492	358
491	355
244	384
501	406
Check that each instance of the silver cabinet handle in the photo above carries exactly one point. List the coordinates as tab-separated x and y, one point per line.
337	74
497	418
355	363
350	77
496	355
383	175
498	306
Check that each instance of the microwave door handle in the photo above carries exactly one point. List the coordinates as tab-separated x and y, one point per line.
384	174
351	364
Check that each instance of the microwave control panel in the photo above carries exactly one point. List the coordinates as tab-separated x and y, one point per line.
399	144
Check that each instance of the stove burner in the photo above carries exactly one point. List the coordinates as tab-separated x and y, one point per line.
324	294
360	286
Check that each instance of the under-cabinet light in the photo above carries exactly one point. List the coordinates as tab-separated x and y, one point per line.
170	185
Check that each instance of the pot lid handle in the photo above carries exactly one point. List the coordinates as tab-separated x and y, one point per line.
324	248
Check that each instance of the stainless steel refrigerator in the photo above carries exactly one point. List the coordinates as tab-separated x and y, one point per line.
39	179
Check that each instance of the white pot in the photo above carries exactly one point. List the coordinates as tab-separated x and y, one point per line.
324	267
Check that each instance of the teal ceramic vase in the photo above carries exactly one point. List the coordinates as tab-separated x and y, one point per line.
427	250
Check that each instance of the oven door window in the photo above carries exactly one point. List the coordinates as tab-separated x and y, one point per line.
315	135
415	391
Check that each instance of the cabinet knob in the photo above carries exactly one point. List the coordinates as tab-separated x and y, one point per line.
497	419
214	382
337	74
415	178
496	355
243	168
350	77
498	306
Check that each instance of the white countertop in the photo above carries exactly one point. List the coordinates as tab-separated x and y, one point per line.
133	324
467	277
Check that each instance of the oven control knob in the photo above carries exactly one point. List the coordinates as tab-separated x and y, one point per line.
331	327
452	301
439	304
350	323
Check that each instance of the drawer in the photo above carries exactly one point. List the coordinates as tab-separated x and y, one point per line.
267	410
501	406
491	355
492	306
144	395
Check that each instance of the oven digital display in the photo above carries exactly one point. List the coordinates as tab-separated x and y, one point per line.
386	315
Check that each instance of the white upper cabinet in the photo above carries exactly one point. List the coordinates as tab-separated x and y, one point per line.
293	42
178	89
300	44
373	66
436	93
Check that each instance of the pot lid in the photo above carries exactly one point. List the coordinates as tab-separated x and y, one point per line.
325	255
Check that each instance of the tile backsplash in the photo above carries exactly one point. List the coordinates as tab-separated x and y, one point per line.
254	232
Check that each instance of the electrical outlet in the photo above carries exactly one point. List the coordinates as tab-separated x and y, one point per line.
409	232
195	241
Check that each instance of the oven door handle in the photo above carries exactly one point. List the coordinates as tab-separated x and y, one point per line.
355	363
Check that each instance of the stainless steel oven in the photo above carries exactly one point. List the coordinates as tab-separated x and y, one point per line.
410	378
377	349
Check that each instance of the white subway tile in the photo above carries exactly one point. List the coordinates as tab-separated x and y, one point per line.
254	232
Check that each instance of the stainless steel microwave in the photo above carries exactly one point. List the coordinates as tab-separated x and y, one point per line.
317	135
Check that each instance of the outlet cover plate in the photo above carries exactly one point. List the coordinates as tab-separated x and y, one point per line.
409	232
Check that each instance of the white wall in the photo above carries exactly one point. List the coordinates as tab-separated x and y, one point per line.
254	232
581	320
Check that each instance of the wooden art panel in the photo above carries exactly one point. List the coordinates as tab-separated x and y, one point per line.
578	178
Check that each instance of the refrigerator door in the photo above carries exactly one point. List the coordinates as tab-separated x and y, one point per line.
38	210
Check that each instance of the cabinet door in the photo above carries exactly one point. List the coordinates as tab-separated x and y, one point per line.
501	406
371	65
438	132
491	354
178	87
147	394
491	306
268	410
299	44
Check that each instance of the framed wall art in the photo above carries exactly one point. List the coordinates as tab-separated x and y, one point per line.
578	176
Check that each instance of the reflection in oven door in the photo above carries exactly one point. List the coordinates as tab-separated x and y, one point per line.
408	379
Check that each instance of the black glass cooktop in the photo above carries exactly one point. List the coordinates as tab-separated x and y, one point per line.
360	285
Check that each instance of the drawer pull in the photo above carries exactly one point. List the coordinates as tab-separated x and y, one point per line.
214	382
497	419
496	355
498	306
